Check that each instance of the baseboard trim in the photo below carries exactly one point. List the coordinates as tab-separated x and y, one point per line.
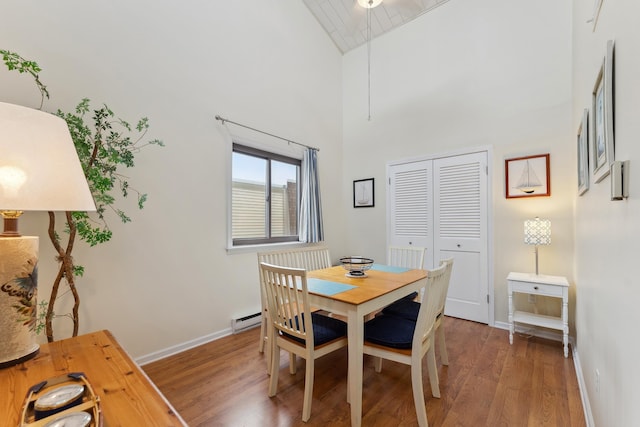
586	406
178	348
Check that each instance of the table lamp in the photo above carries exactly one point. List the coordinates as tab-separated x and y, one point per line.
39	171
537	232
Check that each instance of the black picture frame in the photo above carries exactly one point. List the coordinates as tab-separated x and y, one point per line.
364	193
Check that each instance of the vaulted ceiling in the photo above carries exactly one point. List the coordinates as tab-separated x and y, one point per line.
346	21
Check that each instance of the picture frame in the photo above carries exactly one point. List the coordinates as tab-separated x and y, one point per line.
583	153
363	193
527	176
597	5
602	139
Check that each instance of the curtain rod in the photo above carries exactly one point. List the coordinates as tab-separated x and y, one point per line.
223	120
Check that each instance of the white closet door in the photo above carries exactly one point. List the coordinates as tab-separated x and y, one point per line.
411	206
460	232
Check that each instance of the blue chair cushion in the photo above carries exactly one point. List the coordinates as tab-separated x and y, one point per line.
403	308
390	331
409	297
325	329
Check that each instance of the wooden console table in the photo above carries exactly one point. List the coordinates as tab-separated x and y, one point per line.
127	395
550	286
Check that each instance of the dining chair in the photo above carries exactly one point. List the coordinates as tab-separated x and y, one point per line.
409	310
310	258
407	341
407	257
295	327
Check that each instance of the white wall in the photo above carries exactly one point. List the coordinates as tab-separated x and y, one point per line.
608	233
468	74
166	278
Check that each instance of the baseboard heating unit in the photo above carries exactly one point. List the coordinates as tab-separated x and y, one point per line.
247	322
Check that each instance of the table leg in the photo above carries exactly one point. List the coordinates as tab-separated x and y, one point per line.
355	332
565	325
511	326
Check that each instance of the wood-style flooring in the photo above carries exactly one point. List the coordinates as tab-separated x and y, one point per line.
487	383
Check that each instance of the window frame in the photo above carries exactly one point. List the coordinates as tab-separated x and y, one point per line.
269	156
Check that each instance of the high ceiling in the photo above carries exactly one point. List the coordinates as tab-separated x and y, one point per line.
346	21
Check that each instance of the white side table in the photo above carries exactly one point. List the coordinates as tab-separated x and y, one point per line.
550	286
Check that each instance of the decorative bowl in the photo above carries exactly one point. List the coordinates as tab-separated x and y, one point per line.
356	265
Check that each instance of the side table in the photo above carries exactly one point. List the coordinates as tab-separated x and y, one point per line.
550	286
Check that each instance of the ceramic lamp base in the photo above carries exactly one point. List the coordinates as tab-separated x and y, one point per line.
18	299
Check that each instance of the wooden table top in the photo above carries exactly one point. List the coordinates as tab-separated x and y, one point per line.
128	397
366	288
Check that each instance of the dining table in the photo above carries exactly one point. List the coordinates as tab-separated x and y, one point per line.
332	289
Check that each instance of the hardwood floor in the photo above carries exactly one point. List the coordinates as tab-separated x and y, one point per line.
487	383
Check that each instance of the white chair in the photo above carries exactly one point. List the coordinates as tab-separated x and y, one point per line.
308	258
409	310
295	327
406	256
405	341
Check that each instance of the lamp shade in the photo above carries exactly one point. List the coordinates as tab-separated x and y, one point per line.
537	231
39	166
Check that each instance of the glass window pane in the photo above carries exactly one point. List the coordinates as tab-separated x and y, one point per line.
284	199
248	204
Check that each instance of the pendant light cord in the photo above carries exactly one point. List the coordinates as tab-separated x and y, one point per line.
369	60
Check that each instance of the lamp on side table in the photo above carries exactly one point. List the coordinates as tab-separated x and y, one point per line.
39	171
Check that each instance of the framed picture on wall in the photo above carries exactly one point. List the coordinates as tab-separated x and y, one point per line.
527	177
363	193
602	144
583	153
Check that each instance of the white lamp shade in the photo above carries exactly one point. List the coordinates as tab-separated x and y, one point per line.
537	231
39	166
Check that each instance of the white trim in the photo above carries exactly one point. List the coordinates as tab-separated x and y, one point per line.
179	348
452	153
586	406
269	247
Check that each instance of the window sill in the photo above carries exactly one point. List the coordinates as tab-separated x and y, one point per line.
264	247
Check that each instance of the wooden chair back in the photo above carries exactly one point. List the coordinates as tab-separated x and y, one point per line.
287	297
406	256
437	283
448	263
308	258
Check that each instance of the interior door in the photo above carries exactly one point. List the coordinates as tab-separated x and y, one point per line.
411	206
460	232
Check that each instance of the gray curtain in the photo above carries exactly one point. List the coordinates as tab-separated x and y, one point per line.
311	229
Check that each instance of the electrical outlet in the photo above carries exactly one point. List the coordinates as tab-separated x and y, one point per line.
597	381
532	299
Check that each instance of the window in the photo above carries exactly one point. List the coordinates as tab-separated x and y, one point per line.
265	197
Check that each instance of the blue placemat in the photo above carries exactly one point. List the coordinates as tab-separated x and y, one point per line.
389	268
326	287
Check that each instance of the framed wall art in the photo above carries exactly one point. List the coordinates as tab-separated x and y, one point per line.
602	144
527	176
363	193
583	153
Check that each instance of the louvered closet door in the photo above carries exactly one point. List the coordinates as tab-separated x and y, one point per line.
460	232
411	206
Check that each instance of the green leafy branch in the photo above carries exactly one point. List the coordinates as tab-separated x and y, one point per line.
15	62
104	144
